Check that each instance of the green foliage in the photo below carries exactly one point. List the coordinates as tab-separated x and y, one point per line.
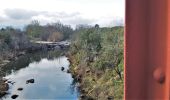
101	51
42	32
91	40
34	30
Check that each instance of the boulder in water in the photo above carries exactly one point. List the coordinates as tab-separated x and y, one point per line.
30	81
20	89
68	71
14	96
62	68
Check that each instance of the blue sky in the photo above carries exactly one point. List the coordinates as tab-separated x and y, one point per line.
20	12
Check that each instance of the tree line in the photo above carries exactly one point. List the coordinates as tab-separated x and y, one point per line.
13	40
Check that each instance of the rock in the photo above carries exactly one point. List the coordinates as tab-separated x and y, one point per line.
69	60
14	96
68	71
3	93
73	76
62	68
10	82
5	80
110	98
30	81
82	96
3	86
20	89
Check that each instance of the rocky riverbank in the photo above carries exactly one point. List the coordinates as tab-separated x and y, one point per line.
5	59
94	84
9	56
3	87
86	80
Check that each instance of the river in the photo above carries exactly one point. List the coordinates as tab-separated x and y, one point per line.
50	82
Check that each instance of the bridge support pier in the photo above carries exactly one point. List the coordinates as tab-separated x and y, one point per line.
147	50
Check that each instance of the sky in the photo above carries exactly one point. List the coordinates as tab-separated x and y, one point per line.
106	13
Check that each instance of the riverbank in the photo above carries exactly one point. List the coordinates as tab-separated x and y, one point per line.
11	55
6	58
95	84
96	57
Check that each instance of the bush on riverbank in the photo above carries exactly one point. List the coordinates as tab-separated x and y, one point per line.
96	55
11	41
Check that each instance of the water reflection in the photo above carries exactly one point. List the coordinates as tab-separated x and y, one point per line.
50	81
25	60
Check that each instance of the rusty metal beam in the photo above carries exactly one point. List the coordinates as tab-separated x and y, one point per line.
147	50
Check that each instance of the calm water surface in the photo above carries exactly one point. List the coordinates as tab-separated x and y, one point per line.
50	81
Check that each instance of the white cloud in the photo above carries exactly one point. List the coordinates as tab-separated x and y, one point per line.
19	14
103	12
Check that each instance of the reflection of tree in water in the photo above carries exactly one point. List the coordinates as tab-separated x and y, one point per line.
25	60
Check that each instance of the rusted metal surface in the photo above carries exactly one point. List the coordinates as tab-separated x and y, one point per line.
167	92
147	50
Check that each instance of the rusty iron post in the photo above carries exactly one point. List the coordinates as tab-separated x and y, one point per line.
147	50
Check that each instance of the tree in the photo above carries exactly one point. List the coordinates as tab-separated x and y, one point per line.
55	37
97	26
42	32
34	29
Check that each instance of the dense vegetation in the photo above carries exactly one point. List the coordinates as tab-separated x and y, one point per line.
14	40
96	55
50	32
